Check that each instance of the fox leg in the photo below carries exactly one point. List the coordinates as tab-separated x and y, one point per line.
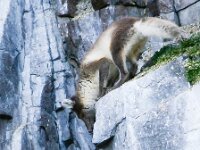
103	78
120	61
132	68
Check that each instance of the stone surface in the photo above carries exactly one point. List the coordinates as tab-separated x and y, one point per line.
181	4
11	44
35	76
153	7
176	126
166	6
72	8
99	4
66	8
170	16
81	137
190	14
151	112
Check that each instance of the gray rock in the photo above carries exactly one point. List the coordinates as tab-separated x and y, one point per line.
181	4
170	16
145	113
190	14
73	8
80	134
11	44
34	77
67	8
99	4
166	6
48	135
153	7
63	126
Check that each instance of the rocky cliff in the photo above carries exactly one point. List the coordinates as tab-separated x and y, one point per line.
41	45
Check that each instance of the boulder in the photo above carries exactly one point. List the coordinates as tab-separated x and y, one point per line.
150	112
190	14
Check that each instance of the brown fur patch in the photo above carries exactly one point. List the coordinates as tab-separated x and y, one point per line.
78	107
122	33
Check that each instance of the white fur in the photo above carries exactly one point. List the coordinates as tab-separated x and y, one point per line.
101	48
89	90
155	27
134	40
89	87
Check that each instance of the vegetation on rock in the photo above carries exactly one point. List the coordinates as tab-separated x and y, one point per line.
189	49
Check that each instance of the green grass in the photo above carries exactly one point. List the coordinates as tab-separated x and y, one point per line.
190	48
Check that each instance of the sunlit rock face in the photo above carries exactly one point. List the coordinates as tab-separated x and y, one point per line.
190	14
35	76
157	111
11	44
41	45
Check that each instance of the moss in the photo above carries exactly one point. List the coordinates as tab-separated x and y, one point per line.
189	48
193	71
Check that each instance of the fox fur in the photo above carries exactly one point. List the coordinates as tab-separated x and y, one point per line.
123	40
